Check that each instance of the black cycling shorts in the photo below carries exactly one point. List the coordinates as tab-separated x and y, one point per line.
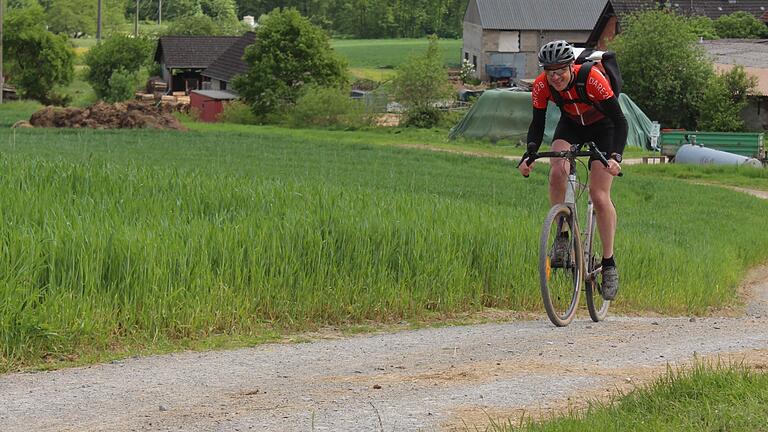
600	132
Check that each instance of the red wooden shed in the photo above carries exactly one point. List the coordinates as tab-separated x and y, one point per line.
209	103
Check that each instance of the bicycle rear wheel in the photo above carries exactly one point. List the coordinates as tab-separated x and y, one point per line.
561	282
597	306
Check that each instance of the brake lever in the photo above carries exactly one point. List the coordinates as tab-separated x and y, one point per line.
603	160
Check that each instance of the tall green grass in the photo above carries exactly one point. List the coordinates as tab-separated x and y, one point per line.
93	252
705	398
115	236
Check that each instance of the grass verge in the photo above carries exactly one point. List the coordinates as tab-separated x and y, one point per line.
706	397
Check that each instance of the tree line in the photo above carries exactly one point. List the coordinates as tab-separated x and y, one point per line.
340	18
373	18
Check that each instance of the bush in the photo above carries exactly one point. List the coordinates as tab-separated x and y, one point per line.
724	99
118	52
237	112
740	25
424	116
420	81
328	107
467	72
122	86
703	27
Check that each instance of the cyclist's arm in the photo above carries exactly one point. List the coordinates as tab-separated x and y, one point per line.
539	99
536	129
613	111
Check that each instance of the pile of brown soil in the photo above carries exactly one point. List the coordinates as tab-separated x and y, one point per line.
109	116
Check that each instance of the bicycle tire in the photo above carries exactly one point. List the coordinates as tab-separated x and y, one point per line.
560	287
596	304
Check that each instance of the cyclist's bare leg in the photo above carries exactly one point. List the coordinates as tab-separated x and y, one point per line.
558	173
600	191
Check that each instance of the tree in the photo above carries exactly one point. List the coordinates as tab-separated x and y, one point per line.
373	18
664	69
740	25
224	10
116	53
78	17
203	25
38	59
724	99
71	17
421	81
289	53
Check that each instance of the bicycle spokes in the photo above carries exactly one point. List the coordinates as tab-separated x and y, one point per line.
559	265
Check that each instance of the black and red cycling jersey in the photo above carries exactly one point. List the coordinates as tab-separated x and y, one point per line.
598	89
607	125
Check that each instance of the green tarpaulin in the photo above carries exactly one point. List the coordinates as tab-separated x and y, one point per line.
505	115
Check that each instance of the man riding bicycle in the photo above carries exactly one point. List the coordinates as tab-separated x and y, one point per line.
602	122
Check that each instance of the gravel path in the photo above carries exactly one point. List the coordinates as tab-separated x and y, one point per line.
452	378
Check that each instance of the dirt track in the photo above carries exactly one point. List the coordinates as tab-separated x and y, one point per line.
451	378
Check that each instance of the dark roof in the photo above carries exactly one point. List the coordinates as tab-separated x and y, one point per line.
744	52
537	14
193	52
623	7
216	94
709	8
230	62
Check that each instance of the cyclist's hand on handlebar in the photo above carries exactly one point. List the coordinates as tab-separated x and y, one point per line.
526	166
614	168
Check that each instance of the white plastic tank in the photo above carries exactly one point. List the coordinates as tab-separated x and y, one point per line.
696	154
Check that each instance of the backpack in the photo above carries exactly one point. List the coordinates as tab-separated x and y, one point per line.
606	62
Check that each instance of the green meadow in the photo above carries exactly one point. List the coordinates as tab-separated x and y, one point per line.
389	53
376	59
135	240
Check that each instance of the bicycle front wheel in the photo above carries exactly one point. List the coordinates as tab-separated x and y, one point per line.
560	268
597	306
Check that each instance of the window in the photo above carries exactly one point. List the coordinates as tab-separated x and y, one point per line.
466	56
474	61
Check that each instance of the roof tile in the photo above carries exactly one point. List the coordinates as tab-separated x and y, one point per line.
196	52
230	62
539	14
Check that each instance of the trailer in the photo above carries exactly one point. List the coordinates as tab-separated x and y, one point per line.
747	144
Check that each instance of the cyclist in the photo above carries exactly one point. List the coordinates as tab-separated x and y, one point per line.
601	122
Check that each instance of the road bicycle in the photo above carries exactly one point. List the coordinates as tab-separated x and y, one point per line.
561	279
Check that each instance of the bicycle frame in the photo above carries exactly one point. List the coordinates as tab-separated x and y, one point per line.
587	233
587	268
570	194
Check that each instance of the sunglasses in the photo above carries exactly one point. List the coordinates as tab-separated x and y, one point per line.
559	71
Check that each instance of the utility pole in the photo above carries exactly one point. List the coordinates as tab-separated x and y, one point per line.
160	12
98	22
2	77
136	21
